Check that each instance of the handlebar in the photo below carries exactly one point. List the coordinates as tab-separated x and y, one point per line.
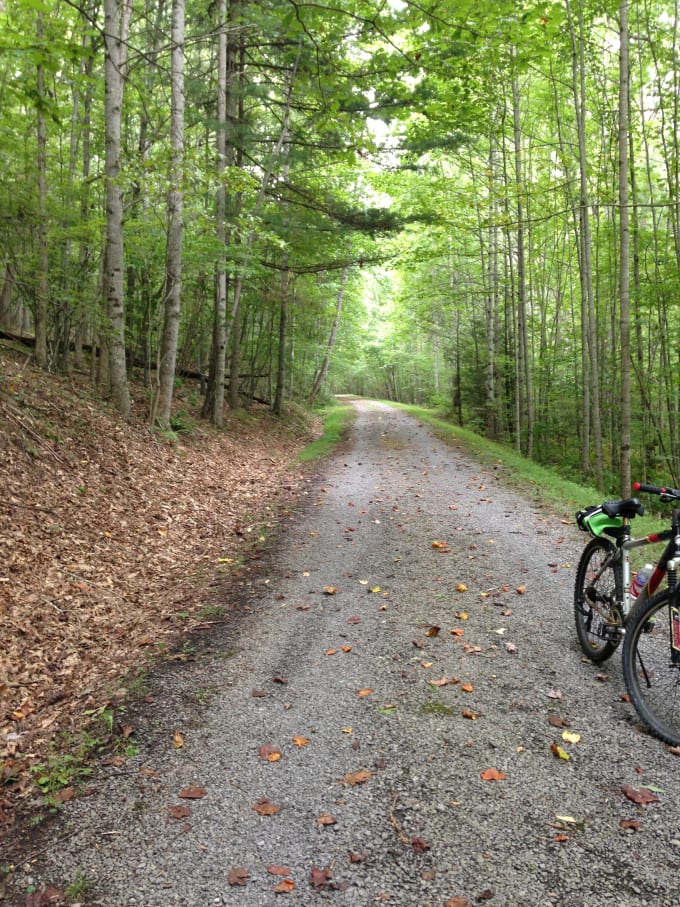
666	494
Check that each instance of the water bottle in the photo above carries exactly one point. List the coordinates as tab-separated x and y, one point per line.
640	580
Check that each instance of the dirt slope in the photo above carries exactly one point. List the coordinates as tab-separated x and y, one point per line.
111	538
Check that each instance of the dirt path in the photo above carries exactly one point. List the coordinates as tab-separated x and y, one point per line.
332	703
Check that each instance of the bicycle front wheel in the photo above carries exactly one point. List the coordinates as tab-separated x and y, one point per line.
651	673
598	588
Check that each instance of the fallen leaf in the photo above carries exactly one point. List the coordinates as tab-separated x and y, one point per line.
326	819
359	777
331	652
461	587
556	721
630	823
330	590
473	716
433	631
458	902
365	692
179	812
192	793
511	648
467	687
278	870
559	752
45	898
642	796
420	845
457	632
521	590
320	878
561	838
462	615
238	876
570	737
269	753
265	807
301	741
442	682
177	740
346	649
375	589
354	619
357	857
492	774
554	694
284	886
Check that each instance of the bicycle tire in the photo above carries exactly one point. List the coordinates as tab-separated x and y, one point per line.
596	610
652	679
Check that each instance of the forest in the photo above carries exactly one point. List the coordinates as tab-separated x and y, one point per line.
469	204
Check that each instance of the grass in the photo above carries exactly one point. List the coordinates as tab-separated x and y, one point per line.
337	418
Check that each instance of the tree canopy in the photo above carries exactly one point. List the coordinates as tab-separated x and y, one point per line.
467	204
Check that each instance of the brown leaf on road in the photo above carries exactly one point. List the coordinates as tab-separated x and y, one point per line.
367	691
359	777
192	793
554	694
556	721
278	870
179	812
319	878
630	823
238	876
284	886
330	590
301	741
264	807
467	688
459	902
492	774
473	716
46	897
641	796
269	753
432	632
326	819
357	857
420	845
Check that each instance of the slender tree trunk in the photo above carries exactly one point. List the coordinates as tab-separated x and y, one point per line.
116	28
624	255
323	370
214	401
524	364
40	314
173	259
588	320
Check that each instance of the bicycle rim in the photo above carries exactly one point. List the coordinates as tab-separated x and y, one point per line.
596	613
652	679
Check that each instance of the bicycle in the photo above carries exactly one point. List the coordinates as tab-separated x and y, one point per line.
606	611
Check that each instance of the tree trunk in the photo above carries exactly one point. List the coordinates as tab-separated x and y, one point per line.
524	365
173	258
116	28
323	371
624	254
40	313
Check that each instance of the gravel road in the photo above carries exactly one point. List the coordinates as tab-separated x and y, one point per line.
379	794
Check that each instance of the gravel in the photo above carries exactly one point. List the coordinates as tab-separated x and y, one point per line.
381	794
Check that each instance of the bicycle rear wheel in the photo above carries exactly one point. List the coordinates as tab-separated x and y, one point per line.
652	677
597	590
